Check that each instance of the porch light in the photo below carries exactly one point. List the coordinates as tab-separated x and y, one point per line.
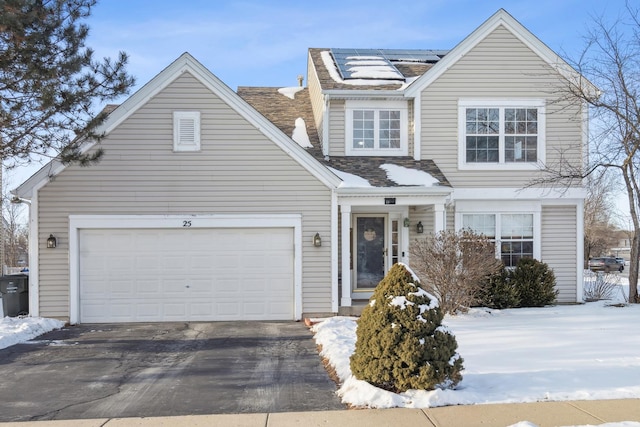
317	241
407	222
52	242
419	227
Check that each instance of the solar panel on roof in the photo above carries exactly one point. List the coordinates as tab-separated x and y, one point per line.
378	63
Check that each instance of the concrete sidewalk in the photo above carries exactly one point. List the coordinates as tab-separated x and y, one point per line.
543	414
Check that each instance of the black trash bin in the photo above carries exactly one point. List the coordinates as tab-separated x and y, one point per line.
14	290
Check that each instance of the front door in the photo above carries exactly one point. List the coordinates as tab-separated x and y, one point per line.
371	251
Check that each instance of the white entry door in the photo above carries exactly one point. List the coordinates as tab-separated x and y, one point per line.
144	275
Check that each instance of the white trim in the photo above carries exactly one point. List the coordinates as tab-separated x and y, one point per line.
501	104
345	239
377	106
580	251
34	256
78	222
417	128
326	111
506	193
335	298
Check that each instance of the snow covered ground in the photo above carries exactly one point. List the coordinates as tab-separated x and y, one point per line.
578	352
581	352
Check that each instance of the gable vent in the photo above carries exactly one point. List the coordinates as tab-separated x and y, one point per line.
186	135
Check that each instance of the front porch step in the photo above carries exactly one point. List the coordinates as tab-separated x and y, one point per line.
354	310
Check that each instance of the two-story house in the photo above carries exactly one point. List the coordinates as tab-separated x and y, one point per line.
279	203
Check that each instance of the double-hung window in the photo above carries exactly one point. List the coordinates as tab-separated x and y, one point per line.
512	233
496	134
374	128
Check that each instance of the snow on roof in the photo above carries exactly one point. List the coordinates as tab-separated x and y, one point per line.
371	67
290	92
327	59
405	176
350	180
300	135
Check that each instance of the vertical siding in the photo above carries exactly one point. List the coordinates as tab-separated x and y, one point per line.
238	171
336	128
560	248
500	66
315	93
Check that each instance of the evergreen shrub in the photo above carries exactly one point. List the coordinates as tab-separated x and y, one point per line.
535	283
499	291
401	342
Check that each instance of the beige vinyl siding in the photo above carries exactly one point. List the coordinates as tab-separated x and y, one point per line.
560	248
237	171
425	215
317	99
336	127
500	66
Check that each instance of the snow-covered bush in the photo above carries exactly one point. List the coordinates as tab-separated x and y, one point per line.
401	343
535	283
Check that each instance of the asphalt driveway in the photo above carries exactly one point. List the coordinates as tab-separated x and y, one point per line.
127	370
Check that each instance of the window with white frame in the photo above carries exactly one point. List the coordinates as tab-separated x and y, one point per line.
186	131
376	128
511	232
507	133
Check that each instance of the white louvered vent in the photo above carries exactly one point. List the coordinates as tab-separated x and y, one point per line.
186	131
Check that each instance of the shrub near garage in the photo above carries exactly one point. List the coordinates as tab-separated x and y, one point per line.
401	343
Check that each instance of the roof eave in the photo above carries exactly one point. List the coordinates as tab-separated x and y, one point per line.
435	190
346	93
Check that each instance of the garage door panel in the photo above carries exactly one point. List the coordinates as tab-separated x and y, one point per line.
186	274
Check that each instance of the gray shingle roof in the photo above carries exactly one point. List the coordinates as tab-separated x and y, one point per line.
283	112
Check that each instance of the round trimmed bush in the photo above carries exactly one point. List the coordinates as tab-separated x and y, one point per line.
401	342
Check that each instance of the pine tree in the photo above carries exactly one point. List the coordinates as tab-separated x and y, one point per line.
49	80
401	342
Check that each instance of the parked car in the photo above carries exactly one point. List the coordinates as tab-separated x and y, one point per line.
621	261
606	264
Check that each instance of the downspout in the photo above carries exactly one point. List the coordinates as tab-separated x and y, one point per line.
417	128
325	125
334	252
34	256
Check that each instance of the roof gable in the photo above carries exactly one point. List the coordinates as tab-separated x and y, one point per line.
187	63
500	18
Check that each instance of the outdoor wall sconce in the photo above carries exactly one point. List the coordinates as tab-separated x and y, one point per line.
407	222
419	227
317	241
52	242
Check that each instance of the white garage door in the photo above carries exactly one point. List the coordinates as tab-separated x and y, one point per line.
149	275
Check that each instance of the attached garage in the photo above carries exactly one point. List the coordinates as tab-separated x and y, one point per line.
192	273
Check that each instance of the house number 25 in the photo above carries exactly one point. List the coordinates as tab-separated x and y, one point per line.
186	223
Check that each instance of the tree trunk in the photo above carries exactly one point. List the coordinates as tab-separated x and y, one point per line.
633	268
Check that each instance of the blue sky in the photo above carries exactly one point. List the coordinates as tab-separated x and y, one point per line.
259	43
264	43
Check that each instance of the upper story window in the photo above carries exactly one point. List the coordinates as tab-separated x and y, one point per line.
186	131
501	134
376	128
